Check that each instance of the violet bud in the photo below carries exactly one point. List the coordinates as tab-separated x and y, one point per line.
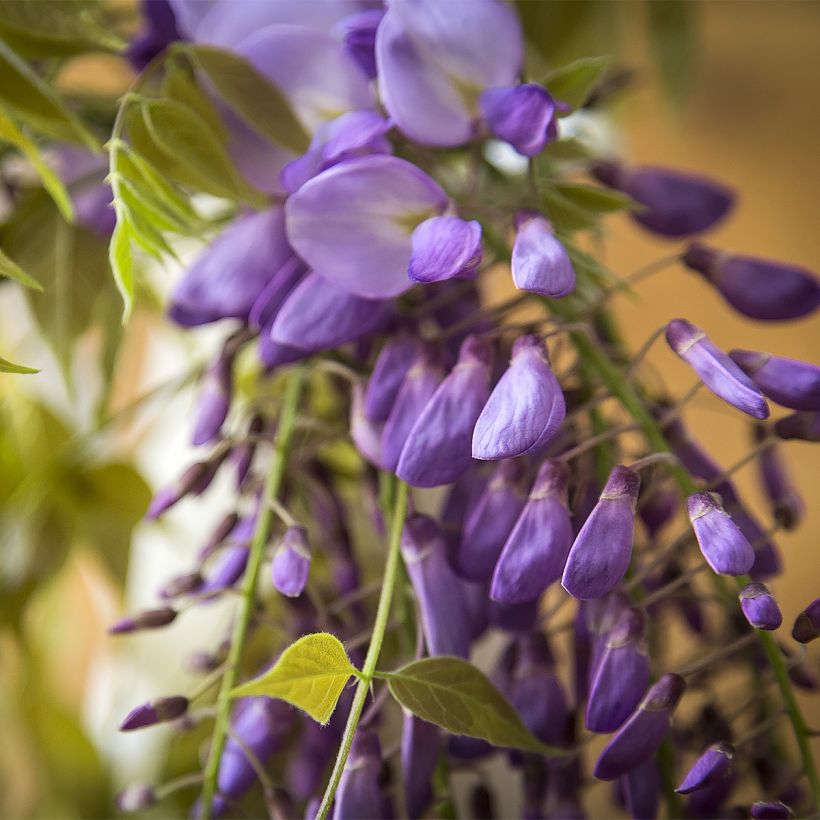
807	626
291	562
789	382
444	618
136	797
540	263
708	801
525	409
516	618
148	619
522	115
416	390
153	712
536	550
759	607
600	555
802	426
723	545
181	585
714	764
717	371
438	447
420	742
639	738
308	760
657	509
187	483
243	453
642	790
445	247
675	203
767	561
391	366
366	434
758	288
786	503
360	38
697	461
359	795
770	810
621	674
214	401
489	523
228	568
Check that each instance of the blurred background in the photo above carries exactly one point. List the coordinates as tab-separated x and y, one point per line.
728	89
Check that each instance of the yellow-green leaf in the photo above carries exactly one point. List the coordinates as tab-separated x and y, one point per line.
310	674
456	696
8	267
573	83
122	265
179	84
9	367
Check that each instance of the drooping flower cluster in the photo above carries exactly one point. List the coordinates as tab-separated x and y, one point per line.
367	264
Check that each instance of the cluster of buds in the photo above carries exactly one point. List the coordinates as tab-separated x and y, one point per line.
367	266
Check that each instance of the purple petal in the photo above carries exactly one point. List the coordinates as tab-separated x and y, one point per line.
770	810
713	765
161	31
807	625
353	222
273	295
802	426
391	366
214	401
366	434
642	790
157	711
789	382
420	743
722	543
360	38
523	116
445	247
759	607
540	263
786	502
291	562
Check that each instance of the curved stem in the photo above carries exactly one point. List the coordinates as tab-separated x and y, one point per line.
273	485
369	667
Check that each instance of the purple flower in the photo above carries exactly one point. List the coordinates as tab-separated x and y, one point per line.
639	738
717	371
723	545
366	434
523	116
771	810
787	504
516	618
675	203
353	223
802	426
621	676
227	278
657	509
525	409
714	764
759	607
540	263
156	711
438	447
416	390
391	366
445	247
420	744
789	382
444	617
435	59
160	31
360	38
214	400
758	288
642	790
807	626
601	552
359	795
227	570
489	522
186	584
291	562
187	483
319	315
147	619
536	550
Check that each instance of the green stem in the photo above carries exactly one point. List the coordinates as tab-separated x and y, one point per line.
369	668
273	485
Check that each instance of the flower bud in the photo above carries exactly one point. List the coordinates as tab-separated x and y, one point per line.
657	509
639	738
420	743
536	550
675	203
228	568
445	247
714	764
758	288
291	562
717	371
185	484
444	617
600	555
770	810
540	263
155	711
516	618
802	426
392	364
136	797
723	545
621	675
642	790
759	607
438	446
181	585
215	400
522	115
787	504
243	453
148	619
525	409
359	795
807	626
789	382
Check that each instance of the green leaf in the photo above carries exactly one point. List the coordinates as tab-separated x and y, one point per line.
564	213
184	136
456	696
179	84
262	105
9	132
573	83
9	367
22	89
673	44
310	674
10	268
568	149
594	199
122	265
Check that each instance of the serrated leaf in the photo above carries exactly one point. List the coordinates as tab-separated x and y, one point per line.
10	133
9	268
185	137
122	265
261	104
22	89
310	674
573	83
9	367
459	698
595	199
